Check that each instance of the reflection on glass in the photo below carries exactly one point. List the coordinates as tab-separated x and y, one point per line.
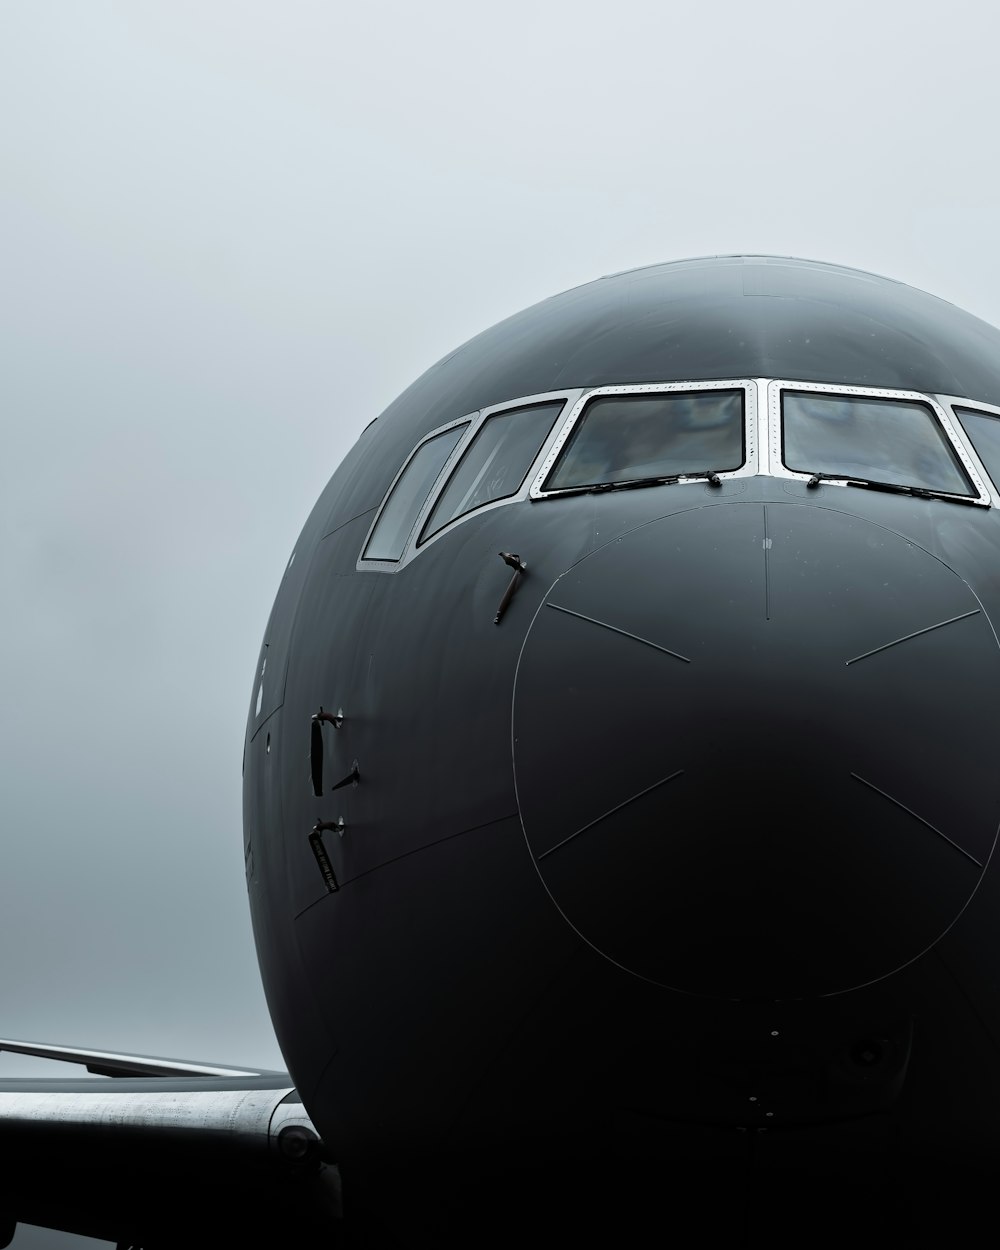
983	429
496	462
414	485
620	438
880	440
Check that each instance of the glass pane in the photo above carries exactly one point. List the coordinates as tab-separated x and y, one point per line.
622	437
407	498
983	429
883	440
496	463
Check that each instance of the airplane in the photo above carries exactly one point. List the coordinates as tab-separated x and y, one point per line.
620	794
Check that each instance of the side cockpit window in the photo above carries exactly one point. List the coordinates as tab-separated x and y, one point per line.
496	462
892	441
388	538
631	438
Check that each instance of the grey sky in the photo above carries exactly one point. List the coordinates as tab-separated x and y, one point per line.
230	233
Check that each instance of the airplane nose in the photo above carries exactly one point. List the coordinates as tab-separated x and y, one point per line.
755	752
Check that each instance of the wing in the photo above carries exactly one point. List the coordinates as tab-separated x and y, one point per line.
157	1153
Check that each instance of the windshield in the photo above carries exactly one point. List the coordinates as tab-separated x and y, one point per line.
620	438
882	440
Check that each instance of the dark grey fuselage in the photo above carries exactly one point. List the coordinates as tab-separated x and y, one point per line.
687	857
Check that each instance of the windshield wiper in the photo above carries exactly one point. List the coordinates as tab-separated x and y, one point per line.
636	483
893	488
867	484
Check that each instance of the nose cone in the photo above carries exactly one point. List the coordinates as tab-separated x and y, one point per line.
753	751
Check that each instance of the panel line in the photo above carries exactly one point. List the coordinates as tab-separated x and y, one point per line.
926	823
906	637
597	819
624	632
767	570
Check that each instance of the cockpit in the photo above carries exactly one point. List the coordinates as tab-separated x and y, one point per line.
599	439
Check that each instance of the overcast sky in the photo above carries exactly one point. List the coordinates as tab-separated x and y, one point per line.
230	233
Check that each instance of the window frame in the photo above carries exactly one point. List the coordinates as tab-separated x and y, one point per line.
474	421
776	466
489	414
750	437
954	404
373	562
762	446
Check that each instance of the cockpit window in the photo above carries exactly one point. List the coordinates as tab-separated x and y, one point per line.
621	438
983	429
496	462
412	487
880	440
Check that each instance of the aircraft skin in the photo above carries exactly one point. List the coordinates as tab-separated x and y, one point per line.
685	859
622	850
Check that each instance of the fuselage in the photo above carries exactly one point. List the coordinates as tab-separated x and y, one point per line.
648	801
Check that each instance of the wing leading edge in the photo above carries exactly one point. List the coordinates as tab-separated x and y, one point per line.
167	1153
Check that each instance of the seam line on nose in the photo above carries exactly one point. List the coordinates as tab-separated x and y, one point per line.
624	632
906	637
